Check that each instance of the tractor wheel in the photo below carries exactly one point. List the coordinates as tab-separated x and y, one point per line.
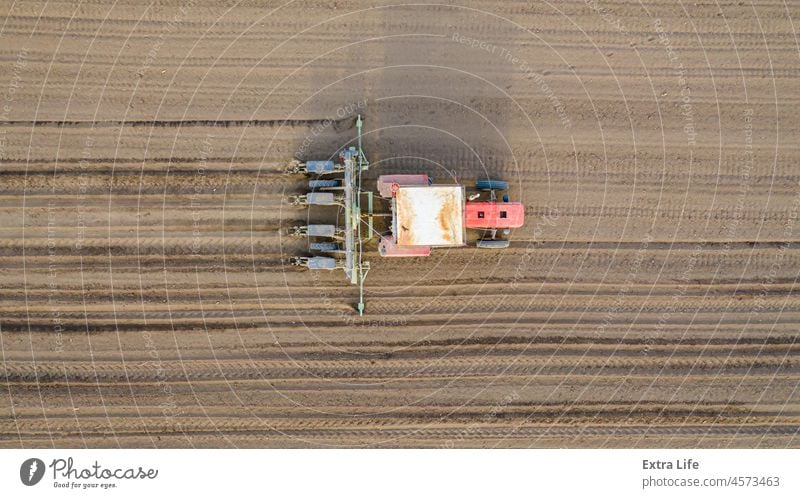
492	244
491	185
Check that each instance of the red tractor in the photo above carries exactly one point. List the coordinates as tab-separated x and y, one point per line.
421	215
425	215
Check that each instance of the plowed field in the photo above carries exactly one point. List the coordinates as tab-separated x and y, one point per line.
649	300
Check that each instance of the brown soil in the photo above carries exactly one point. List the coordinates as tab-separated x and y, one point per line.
649	300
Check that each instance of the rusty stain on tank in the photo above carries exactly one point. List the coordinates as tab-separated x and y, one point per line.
446	215
406	236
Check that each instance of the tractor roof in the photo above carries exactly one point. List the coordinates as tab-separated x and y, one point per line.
429	215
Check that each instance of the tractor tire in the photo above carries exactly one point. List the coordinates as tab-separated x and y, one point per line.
491	185
492	244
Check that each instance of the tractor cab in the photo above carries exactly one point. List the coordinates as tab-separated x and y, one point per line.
493	214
